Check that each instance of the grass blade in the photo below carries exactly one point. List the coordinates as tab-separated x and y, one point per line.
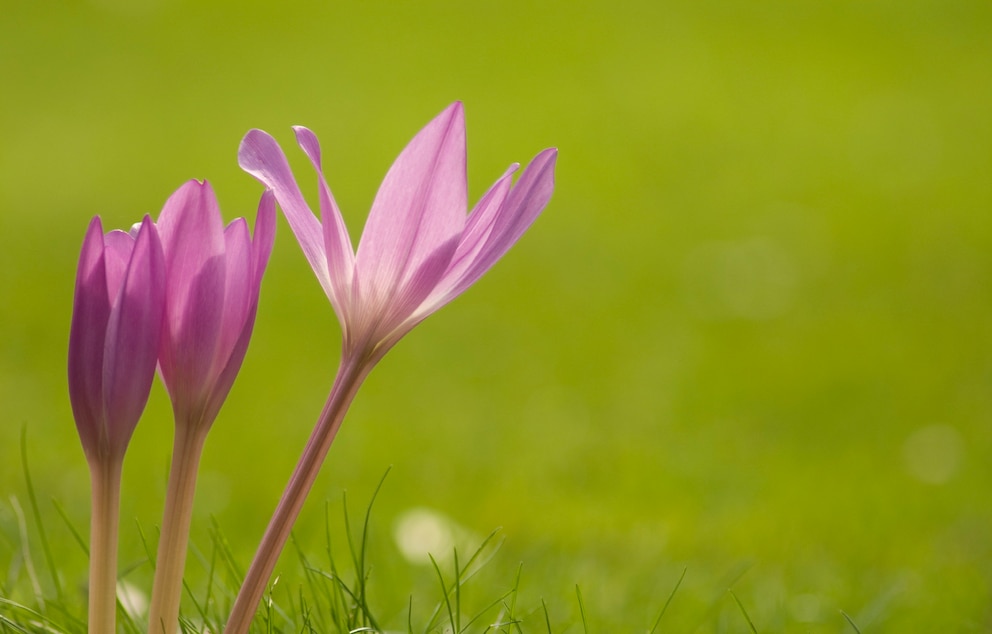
409	616
362	576
53	570
547	617
511	610
444	592
22	527
72	529
754	630
582	609
851	622
458	594
483	611
670	597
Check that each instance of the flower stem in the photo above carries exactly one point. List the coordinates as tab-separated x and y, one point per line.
105	481
163	612
350	375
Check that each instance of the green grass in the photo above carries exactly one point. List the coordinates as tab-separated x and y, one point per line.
315	599
749	338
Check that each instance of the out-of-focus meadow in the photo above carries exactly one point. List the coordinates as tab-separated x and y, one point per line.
750	337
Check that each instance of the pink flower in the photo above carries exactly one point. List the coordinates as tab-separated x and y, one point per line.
213	276
114	336
419	249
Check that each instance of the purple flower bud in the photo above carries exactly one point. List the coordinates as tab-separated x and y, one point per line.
213	275
114	338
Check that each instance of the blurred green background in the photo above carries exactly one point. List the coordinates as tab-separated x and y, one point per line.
750	337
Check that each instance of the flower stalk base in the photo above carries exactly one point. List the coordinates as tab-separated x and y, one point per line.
163	612
350	376
105	479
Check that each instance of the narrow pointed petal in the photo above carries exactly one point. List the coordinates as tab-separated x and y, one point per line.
239	291
133	335
228	373
233	354
479	227
518	212
420	206
337	244
90	314
265	236
477	232
261	156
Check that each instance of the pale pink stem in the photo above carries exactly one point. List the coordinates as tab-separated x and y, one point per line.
350	375
163	612
105	481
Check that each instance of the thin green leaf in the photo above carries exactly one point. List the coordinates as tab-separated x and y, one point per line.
851	622
52	568
444	592
72	529
582	609
740	605
670	597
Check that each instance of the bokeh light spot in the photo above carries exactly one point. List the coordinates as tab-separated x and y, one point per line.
933	454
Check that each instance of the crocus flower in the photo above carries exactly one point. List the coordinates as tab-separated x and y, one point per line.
114	336
419	250
213	275
113	345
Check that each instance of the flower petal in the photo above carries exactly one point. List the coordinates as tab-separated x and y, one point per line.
517	213
337	244
420	206
388	322
261	156
240	332
133	335
117	248
239	292
193	241
479	227
265	236
87	334
477	232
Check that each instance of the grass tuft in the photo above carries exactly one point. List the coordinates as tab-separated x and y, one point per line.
322	599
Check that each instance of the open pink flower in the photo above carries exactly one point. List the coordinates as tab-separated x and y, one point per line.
213	276
419	249
114	336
